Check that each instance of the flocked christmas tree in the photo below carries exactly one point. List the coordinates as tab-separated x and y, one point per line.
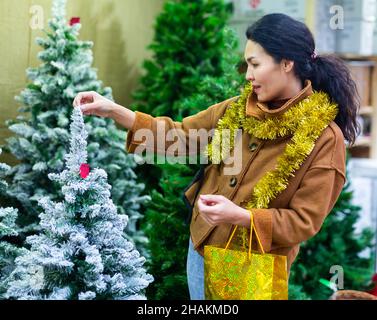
337	244
194	66
9	230
41	131
81	252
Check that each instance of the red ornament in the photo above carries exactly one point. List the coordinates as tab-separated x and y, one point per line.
84	170
74	20
374	290
254	3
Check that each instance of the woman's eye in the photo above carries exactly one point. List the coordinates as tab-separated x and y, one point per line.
255	65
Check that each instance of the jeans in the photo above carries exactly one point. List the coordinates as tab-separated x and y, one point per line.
195	273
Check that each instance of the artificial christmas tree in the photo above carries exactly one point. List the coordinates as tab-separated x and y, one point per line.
194	66
41	131
188	45
336	244
189	37
81	252
169	233
9	229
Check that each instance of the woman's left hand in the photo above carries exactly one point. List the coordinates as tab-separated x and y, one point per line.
217	209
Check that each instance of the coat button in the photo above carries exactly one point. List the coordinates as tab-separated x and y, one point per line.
233	182
253	146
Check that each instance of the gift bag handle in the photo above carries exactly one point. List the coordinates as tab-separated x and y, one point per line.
252	228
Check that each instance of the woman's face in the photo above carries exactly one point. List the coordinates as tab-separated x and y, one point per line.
270	79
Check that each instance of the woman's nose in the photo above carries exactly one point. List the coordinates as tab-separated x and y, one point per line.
249	75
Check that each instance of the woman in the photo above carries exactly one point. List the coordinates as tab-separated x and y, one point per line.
295	114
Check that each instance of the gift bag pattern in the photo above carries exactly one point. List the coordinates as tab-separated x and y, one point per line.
244	275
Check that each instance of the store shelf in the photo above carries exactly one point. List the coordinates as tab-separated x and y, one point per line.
363	141
366	144
366	111
352	56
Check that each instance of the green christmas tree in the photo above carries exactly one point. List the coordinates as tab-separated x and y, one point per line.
194	66
187	46
188	38
336	244
42	134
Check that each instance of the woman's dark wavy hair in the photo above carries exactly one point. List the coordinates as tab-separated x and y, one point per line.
283	37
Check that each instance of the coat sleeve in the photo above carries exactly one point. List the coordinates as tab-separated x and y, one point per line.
162	135
311	203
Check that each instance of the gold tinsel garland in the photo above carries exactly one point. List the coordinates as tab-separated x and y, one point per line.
305	121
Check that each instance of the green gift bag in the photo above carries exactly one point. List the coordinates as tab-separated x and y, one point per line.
244	275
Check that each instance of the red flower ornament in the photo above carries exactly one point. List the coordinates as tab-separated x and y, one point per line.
84	170
74	20
255	3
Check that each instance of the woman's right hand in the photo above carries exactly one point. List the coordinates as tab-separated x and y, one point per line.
92	103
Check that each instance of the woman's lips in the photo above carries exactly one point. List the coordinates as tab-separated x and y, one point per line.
256	89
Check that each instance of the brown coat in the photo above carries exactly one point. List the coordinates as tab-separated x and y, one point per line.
293	216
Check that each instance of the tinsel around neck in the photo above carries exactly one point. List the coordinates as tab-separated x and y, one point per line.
305	121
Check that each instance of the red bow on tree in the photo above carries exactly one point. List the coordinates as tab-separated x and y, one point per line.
84	170
74	20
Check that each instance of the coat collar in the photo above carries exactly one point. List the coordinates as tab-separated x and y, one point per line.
261	111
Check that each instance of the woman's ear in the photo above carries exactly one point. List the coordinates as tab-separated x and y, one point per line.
287	65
